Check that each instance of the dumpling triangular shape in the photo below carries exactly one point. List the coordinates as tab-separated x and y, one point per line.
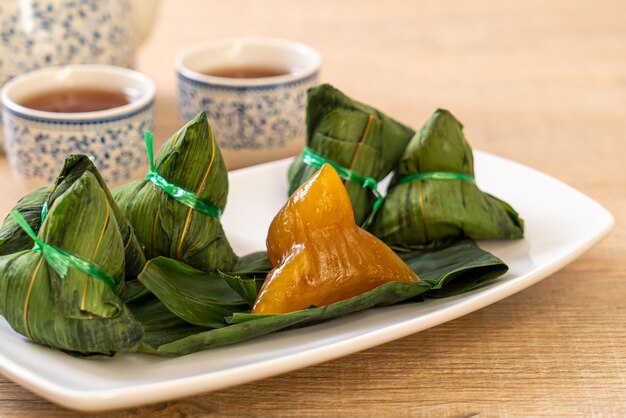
319	254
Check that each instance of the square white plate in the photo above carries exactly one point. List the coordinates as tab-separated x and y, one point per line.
561	223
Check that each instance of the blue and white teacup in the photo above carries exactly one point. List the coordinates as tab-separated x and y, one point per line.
37	142
254	119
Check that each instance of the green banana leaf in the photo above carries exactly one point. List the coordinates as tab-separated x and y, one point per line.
254	264
13	238
249	275
459	267
352	135
429	212
134	291
75	312
192	160
453	278
160	325
199	298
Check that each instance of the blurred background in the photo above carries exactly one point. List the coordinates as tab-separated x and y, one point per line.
534	81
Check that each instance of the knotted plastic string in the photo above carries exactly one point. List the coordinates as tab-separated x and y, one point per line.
182	195
310	157
44	211
436	175
61	260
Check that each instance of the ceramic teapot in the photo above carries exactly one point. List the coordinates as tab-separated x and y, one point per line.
41	33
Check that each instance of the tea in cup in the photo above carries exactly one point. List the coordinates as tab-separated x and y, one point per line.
98	110
253	91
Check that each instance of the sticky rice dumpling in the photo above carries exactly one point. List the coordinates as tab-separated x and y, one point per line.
319	254
165	225
13	238
434	197
351	135
60	305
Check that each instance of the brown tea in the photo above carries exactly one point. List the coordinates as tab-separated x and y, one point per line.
249	71
76	100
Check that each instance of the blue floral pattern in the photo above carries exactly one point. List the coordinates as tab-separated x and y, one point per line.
250	118
37	148
42	33
49	32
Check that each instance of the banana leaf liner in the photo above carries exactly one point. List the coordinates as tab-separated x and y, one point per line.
67	308
433	197
182	319
165	226
13	238
353	136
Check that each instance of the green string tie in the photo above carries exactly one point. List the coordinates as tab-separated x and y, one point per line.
61	260
44	211
436	175
312	158
182	195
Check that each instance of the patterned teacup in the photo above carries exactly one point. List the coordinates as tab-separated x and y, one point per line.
37	141
255	119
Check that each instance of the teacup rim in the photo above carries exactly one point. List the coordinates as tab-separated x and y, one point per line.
145	100
260	82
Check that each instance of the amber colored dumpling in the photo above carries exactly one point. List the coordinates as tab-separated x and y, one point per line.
320	256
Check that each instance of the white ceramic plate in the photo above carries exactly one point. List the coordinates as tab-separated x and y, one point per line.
561	223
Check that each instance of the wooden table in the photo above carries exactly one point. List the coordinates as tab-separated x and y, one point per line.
543	83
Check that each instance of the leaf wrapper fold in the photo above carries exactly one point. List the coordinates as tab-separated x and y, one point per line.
165	227
76	312
352	135
199	298
430	212
13	238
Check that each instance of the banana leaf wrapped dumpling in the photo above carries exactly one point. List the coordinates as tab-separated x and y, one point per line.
13	238
434	197
58	304
351	135
191	163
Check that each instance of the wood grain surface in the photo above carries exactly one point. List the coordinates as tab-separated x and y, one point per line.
543	83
